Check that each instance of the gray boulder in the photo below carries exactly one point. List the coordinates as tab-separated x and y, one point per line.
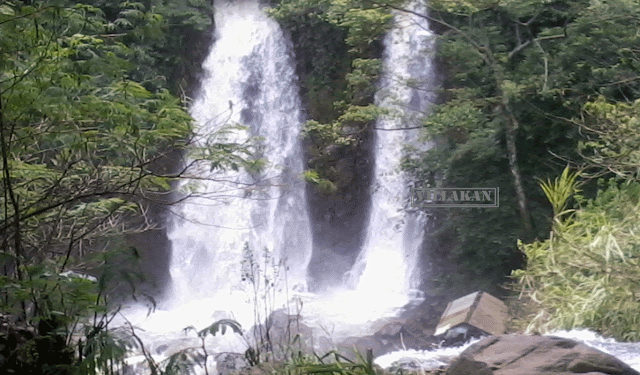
535	355
230	363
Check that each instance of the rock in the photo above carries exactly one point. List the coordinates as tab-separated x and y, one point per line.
460	334
391	330
532	355
230	363
283	332
466	366
415	327
406	333
362	344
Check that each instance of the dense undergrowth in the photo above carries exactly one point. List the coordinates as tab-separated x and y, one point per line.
587	274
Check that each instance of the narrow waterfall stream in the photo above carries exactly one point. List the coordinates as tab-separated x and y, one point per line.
385	276
388	260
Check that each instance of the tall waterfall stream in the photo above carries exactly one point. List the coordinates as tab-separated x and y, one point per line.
250	81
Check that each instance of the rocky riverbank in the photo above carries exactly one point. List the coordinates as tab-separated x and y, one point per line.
493	355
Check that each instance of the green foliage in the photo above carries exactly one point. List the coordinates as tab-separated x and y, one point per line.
324	185
86	117
360	80
559	191
613	133
586	274
186	359
331	362
339	71
70	316
74	129
340	365
263	279
169	39
365	25
558	77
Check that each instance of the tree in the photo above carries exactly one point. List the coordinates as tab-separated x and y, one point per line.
80	138
520	79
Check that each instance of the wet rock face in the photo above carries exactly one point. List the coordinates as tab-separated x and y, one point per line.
531	355
339	219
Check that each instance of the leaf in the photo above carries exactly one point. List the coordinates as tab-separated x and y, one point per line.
7	10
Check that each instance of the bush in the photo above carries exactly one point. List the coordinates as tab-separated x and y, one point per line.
587	274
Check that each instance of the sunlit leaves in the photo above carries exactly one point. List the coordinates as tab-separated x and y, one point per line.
326	133
80	133
460	114
463	7
560	190
361	80
613	131
365	26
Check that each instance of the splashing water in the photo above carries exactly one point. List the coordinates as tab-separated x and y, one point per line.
627	352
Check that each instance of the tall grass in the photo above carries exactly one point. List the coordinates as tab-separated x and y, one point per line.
587	274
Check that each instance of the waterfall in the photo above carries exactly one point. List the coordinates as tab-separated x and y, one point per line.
385	276
387	264
250	81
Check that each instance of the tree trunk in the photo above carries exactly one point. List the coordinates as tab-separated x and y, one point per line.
512	126
515	170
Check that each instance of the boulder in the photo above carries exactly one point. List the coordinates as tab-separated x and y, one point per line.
466	366
533	355
474	315
282	331
362	344
411	333
414	329
230	363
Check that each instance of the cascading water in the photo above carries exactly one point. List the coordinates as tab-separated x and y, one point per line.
386	268
387	262
251	82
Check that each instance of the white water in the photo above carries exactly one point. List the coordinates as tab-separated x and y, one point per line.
386	268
